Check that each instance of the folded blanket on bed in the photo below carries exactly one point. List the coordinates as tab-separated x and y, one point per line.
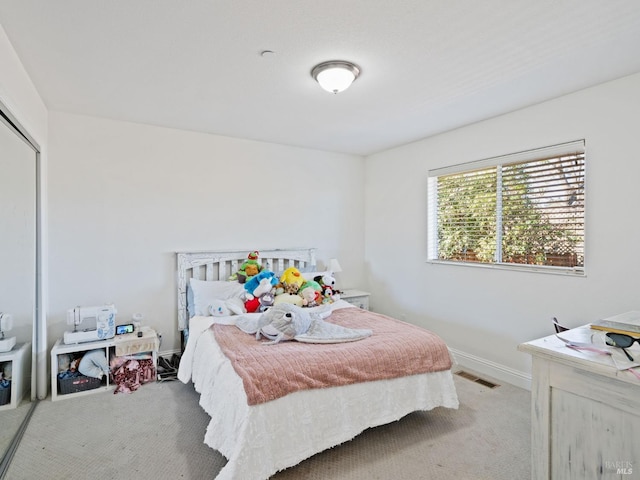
395	349
290	322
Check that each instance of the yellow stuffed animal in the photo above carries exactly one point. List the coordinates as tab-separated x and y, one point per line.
291	276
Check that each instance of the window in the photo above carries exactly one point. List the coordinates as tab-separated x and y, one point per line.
525	209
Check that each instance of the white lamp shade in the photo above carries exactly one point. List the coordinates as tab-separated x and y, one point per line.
334	265
335	76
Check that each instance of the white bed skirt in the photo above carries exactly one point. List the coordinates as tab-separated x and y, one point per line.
260	440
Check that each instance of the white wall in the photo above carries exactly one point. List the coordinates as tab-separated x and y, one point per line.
18	93
486	313
124	197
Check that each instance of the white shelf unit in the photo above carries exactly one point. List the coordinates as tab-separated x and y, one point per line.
129	343
20	359
60	348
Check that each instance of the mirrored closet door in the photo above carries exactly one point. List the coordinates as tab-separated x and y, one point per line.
19	160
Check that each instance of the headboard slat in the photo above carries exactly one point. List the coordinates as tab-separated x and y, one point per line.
209	272
268	264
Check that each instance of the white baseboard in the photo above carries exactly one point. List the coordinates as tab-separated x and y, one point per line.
492	369
168	353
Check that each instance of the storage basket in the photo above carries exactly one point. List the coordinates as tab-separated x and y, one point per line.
5	395
77	384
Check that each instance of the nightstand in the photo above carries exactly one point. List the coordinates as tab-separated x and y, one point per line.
356	297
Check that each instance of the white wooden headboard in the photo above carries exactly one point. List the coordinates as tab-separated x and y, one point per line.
220	265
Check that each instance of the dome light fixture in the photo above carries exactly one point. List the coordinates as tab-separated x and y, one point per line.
336	75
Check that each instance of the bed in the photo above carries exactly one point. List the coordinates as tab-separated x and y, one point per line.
260	438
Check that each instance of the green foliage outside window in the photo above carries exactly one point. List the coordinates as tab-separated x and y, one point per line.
540	210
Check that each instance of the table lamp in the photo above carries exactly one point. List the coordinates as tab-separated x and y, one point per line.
334	266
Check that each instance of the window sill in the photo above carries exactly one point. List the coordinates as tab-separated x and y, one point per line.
517	268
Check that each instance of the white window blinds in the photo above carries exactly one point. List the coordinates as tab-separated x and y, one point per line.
525	208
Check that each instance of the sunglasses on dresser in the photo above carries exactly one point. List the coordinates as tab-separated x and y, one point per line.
622	341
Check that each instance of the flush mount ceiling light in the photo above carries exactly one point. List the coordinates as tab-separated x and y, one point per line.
336	75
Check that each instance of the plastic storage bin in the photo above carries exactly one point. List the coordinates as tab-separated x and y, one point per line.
5	394
77	384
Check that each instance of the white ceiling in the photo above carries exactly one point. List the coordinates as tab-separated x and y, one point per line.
427	65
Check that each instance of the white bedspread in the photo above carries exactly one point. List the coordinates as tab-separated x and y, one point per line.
260	440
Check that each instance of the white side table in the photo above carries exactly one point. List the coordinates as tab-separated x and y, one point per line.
356	297
20	358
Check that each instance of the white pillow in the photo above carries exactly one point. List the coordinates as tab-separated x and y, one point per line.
204	293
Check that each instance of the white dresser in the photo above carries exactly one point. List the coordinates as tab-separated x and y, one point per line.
585	412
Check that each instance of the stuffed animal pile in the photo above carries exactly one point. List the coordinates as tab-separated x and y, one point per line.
263	289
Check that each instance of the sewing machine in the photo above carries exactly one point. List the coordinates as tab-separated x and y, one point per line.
103	317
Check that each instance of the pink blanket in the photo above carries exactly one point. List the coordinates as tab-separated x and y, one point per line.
395	349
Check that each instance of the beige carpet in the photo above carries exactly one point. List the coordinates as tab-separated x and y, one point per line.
157	433
10	421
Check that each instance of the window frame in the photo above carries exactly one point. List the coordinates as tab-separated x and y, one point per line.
558	150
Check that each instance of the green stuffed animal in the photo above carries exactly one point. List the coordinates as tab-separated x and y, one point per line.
249	268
